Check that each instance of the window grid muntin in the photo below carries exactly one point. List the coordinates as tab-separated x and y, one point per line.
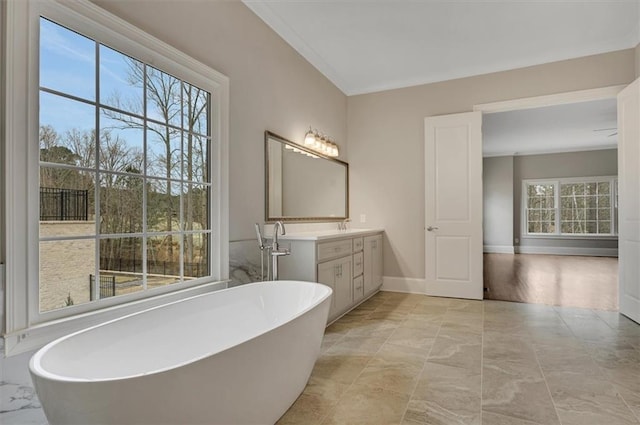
124	112
98	106
612	184
583	212
547	214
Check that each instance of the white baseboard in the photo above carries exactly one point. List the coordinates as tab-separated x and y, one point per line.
403	284
552	250
499	249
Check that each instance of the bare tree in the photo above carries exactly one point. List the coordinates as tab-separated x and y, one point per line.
196	101
176	105
53	150
163	98
120	194
83	145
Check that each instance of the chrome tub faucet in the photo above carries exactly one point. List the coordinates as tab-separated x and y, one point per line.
275	248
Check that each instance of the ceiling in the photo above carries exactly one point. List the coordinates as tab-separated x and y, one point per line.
364	46
561	128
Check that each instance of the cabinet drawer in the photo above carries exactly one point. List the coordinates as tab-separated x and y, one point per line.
358	289
358	243
328	250
358	264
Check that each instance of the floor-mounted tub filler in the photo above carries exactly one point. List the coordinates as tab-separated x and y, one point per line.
236	356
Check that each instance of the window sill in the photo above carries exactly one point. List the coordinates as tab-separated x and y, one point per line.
576	237
37	336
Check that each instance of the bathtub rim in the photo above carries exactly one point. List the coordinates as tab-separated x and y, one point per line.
35	367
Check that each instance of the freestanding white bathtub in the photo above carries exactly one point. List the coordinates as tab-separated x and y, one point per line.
236	356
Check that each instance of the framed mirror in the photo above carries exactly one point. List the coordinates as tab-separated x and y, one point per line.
303	185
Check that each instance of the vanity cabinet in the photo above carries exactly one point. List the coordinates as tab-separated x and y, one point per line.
349	262
337	274
372	264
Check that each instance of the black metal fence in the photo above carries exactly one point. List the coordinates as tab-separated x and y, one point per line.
167	268
107	286
63	204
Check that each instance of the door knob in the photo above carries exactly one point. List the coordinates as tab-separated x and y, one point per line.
431	228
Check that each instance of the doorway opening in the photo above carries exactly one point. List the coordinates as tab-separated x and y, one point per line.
550	201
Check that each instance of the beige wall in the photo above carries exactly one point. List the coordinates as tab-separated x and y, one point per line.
272	86
638	61
497	201
386	139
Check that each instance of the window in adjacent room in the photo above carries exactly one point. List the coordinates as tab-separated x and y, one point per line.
575	206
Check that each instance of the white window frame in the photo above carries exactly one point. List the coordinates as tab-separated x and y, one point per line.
556	182
25	327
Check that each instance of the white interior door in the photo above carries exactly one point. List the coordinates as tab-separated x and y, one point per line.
629	201
453	209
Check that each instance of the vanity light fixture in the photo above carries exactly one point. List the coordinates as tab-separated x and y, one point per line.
300	151
309	138
320	143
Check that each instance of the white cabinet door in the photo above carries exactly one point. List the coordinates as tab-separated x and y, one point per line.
337	275
376	261
327	276
358	289
343	284
453	205
629	201
372	263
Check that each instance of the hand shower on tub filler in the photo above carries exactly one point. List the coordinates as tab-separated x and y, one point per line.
274	251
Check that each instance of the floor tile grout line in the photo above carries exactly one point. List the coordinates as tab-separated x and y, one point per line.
625	403
504	415
602	370
544	377
330	411
423	365
426	360
558	312
482	362
326	415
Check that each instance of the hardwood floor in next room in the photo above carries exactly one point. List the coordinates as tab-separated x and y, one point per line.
561	280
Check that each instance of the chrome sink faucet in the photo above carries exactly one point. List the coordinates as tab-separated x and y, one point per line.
342	225
275	249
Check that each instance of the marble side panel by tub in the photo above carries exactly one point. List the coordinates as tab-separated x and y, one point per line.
244	262
18	401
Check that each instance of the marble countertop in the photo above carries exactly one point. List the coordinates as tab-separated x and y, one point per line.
327	234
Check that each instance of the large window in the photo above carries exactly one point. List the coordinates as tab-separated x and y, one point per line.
135	140
576	206
115	167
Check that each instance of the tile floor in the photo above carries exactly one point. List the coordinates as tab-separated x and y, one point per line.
412	359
